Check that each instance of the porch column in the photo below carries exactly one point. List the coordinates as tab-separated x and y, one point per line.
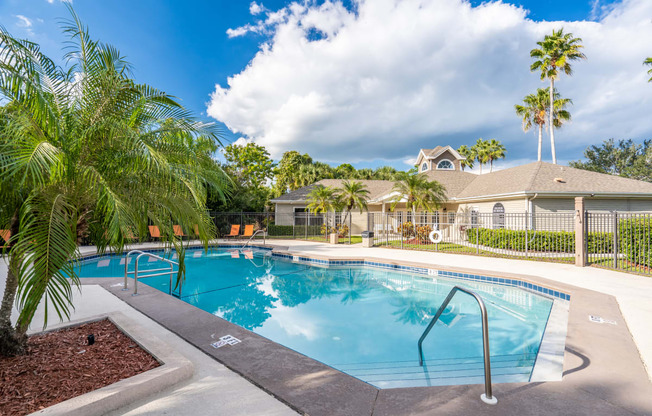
580	244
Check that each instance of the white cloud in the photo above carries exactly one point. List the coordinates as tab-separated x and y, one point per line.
396	75
23	21
255	8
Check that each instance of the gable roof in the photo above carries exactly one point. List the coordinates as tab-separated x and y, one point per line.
543	177
436	152
376	188
537	177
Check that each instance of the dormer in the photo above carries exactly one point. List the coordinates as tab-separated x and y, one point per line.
439	158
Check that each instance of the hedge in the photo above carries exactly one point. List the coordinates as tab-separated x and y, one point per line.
556	241
292	230
635	239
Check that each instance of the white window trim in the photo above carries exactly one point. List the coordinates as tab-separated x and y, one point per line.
446	160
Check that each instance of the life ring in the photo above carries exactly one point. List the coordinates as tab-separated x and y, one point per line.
433	238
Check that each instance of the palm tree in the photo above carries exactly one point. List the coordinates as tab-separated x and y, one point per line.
86	152
323	199
534	111
495	150
353	194
648	61
555	53
480	150
418	192
386	173
469	160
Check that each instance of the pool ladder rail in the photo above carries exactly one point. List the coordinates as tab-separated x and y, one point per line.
487	396
150	273
253	236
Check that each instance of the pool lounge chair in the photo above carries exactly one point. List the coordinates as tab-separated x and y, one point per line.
154	231
178	231
235	231
248	231
5	235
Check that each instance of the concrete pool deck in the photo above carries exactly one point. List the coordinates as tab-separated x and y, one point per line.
603	373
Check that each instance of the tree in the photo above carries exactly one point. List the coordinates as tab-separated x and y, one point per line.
250	164
624	158
481	152
469	160
648	61
323	199
386	173
418	193
353	194
555	53
285	172
495	150
533	112
88	153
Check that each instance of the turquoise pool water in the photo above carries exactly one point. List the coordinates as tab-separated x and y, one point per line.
361	320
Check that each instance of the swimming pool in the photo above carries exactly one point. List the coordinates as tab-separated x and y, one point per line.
361	320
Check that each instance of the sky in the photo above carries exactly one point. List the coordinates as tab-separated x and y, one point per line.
369	82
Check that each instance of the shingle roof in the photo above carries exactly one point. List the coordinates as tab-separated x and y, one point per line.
543	177
376	188
534	177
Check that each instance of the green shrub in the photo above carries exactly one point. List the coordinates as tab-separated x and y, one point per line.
635	240
555	241
292	230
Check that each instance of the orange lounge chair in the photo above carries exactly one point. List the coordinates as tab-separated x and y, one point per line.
154	231
178	231
249	231
235	231
5	235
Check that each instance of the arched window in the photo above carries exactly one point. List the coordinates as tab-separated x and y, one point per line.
499	215
424	167
445	165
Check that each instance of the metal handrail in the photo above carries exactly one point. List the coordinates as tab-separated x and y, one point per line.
487	397
254	235
151	274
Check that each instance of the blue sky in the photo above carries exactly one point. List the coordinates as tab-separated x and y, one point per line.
183	48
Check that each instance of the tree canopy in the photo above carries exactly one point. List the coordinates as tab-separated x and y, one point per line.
624	158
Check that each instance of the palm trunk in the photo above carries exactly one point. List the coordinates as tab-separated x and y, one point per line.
552	126
491	165
540	142
12	342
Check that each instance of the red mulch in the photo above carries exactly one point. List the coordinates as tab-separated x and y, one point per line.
61	365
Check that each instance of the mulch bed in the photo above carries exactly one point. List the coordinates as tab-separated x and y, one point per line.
61	365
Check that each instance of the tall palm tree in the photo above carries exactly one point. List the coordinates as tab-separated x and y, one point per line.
495	150
533	112
323	199
418	192
555	53
87	153
480	150
648	61
353	194
469	160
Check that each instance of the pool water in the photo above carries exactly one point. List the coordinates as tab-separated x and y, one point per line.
361	320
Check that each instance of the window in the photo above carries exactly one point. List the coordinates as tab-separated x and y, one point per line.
445	165
424	167
499	216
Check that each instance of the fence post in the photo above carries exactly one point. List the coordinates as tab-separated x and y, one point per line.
615	237
350	226
527	237
307	224
580	235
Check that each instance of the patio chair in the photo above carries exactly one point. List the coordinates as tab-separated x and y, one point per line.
5	235
154	231
235	231
178	231
248	231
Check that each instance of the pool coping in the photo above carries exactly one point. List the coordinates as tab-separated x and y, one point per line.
594	382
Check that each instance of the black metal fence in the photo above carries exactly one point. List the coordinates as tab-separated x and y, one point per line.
293	225
625	241
547	237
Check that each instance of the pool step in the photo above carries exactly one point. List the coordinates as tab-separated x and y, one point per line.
444	372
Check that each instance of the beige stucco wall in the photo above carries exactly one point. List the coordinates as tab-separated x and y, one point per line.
285	213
